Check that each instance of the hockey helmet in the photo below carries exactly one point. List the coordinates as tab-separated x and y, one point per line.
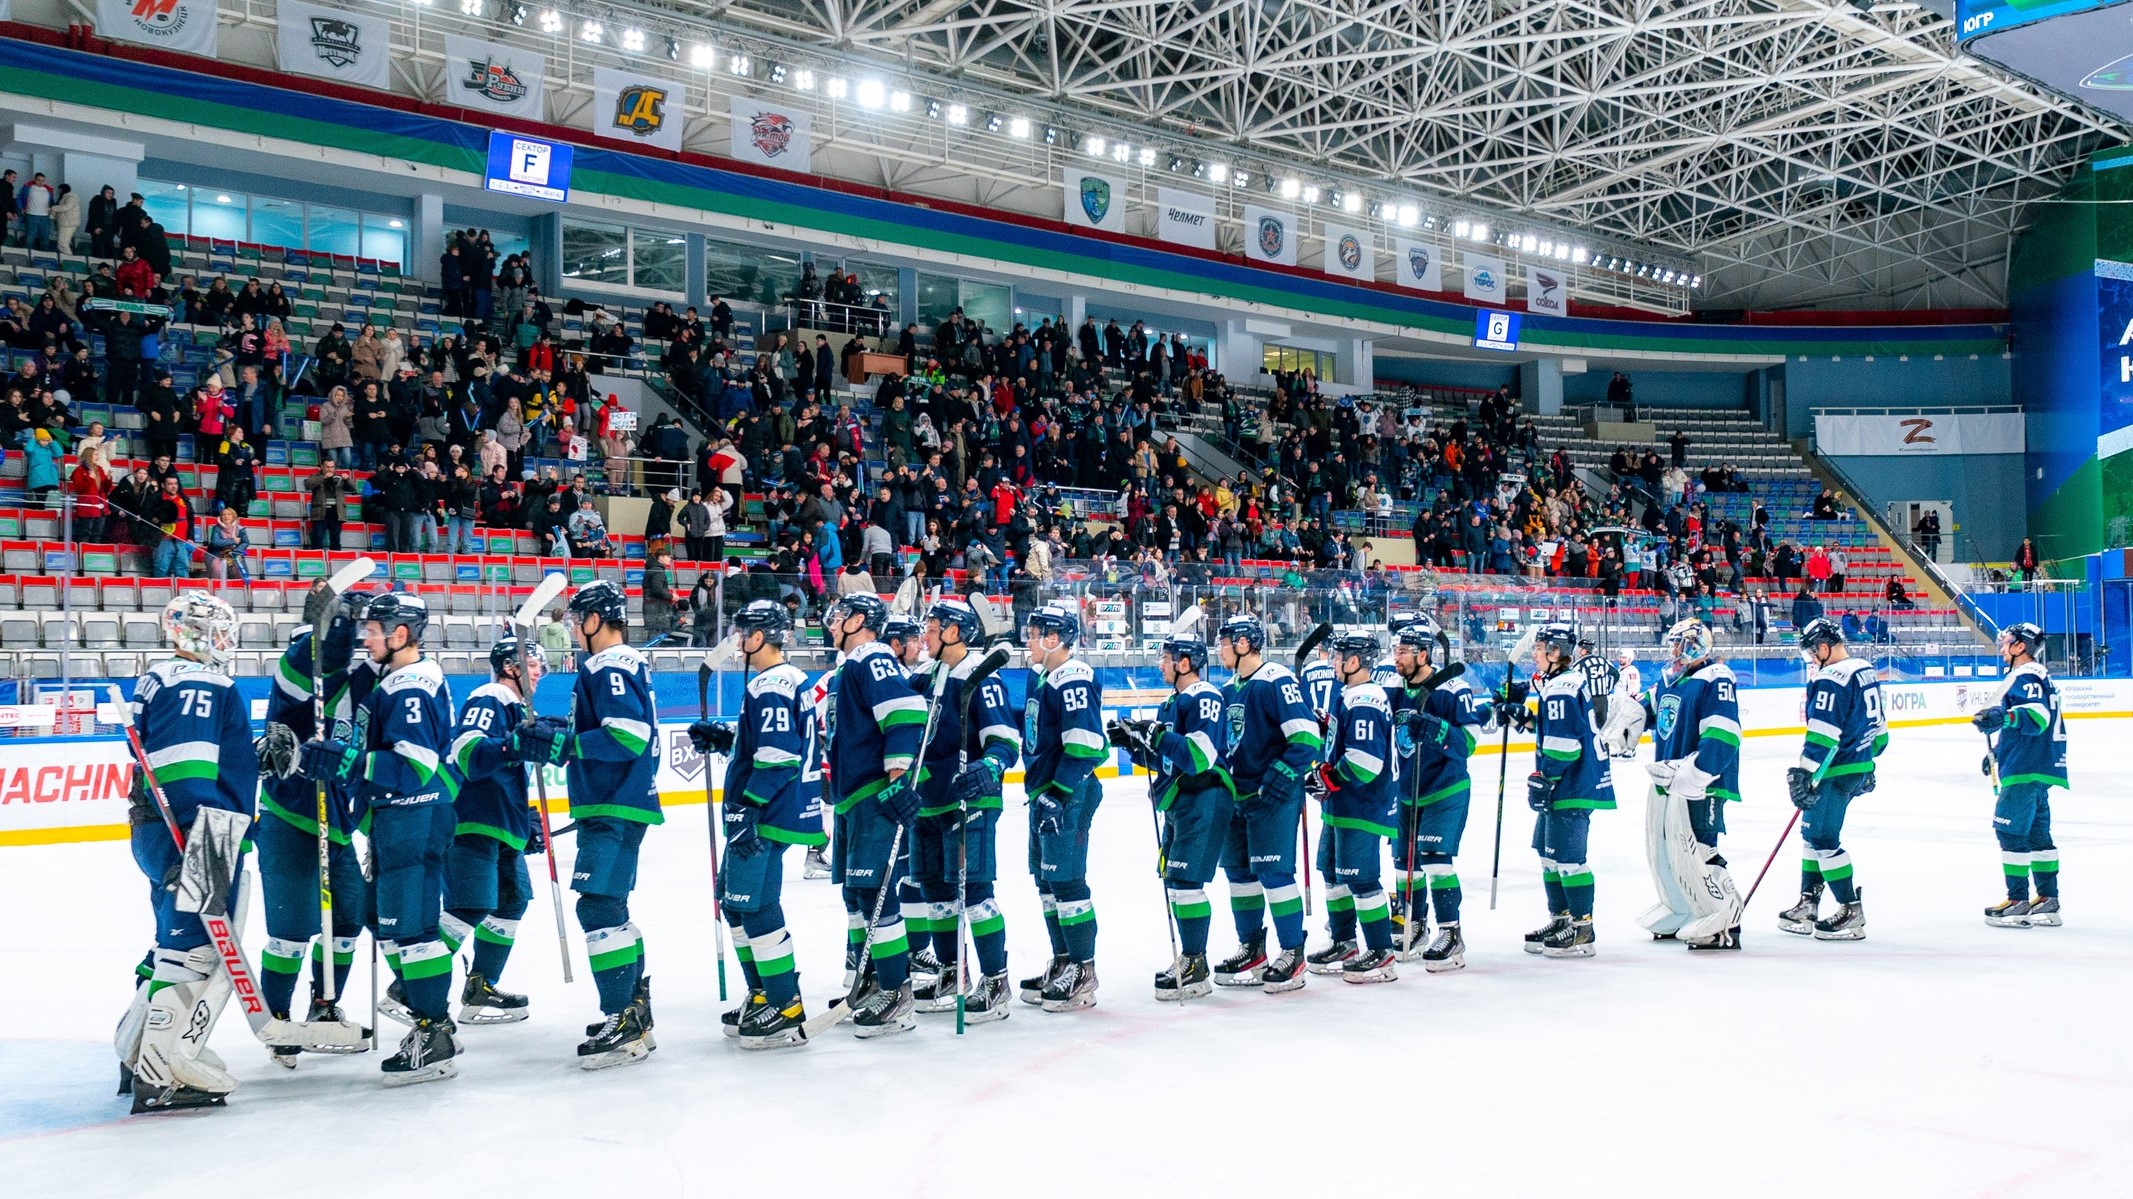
1057	619
1820	631
602	598
952	613
1243	627
1188	651
399	610
1688	641
504	654
2024	634
767	617
873	613
1354	645
202	627
1561	638
901	629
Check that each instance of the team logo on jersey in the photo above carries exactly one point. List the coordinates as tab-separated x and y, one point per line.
1272	236
1669	714
770	133
495	80
1236	725
1029	723
338	42
1418	261
1350	251
1095	199
641	109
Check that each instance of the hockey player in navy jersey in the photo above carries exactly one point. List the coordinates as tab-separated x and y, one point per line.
611	763
286	837
765	813
1845	733
2028	759
875	723
1694	715
1436	736
1356	788
1571	779
1321	684
486	883
196	735
1063	743
396	763
906	638
959	816
1273	743
1184	745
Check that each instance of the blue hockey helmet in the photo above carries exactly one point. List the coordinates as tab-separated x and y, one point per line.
1243	627
355	602
954	613
873	613
602	598
902	629
1354	645
1056	619
504	654
1187	650
399	610
2023	633
1559	637
1422	621
767	617
1821	631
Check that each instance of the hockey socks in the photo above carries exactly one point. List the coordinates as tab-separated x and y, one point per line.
1374	912
766	950
617	958
1552	882
2015	866
738	926
1284	901
2044	870
1576	883
1247	906
891	954
426	974
493	939
1444	892
1051	922
1833	867
1189	907
279	964
1340	912
1077	920
988	931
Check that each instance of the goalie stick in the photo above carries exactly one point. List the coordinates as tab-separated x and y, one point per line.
318	613
1312	640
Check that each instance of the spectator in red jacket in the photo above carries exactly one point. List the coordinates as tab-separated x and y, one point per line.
135	276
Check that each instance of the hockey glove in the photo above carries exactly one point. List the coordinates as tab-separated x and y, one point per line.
1540	791
1051	814
711	738
1514	693
277	750
1119	735
543	739
1662	773
1855	785
900	798
1799	783
742	840
1990	720
1520	717
977	782
338	645
1321	782
1984	766
329	761
1691	785
1281	785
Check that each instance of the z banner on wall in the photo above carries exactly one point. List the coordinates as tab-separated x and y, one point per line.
636	108
1548	289
1349	253
1419	264
1094	200
1185	218
771	134
333	43
1906	434
1484	279
498	78
184	25
1269	236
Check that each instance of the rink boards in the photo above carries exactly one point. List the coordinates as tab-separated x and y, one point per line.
61	789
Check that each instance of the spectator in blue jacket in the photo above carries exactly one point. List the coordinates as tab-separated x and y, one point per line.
42	454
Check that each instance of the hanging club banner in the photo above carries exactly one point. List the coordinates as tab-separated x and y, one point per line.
1186	218
333	43
498	78
1419	264
1093	200
1548	289
183	25
1484	279
770	134
636	108
1269	236
1349	253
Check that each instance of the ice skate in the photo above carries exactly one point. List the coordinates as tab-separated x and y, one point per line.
393	1005
1371	966
2044	912
925	968
1728	939
1539	936
987	1001
1241	969
327	1029
1847	923
481	1003
2008	913
729	1021
1285	973
1800	917
1332	958
427	1054
938	993
1032	989
622	1039
1447	950
1073	989
1574	940
768	1026
816	866
1187	978
884	1013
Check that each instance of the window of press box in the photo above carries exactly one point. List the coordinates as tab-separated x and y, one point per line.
1290	358
620	258
218	214
736	272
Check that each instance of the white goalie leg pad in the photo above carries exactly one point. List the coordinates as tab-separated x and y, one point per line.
1713	903
1661	813
126	1038
1717	890
1624	727
190	989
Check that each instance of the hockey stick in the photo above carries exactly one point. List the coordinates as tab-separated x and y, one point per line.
836	1015
962	850
717	818
318	613
990	623
1311	642
1519	648
544	593
1782	837
1411	815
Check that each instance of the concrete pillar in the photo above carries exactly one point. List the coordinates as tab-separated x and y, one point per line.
696	278
1540	385
1353	364
427	242
1074	310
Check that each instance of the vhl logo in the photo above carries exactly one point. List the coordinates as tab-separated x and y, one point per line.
641	109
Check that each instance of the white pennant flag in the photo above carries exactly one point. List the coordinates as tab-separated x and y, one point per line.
643	110
1420	264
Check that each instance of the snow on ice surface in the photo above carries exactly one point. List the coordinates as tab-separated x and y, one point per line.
1938	1058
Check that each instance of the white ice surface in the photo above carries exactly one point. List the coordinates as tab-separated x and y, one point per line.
1937	1058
